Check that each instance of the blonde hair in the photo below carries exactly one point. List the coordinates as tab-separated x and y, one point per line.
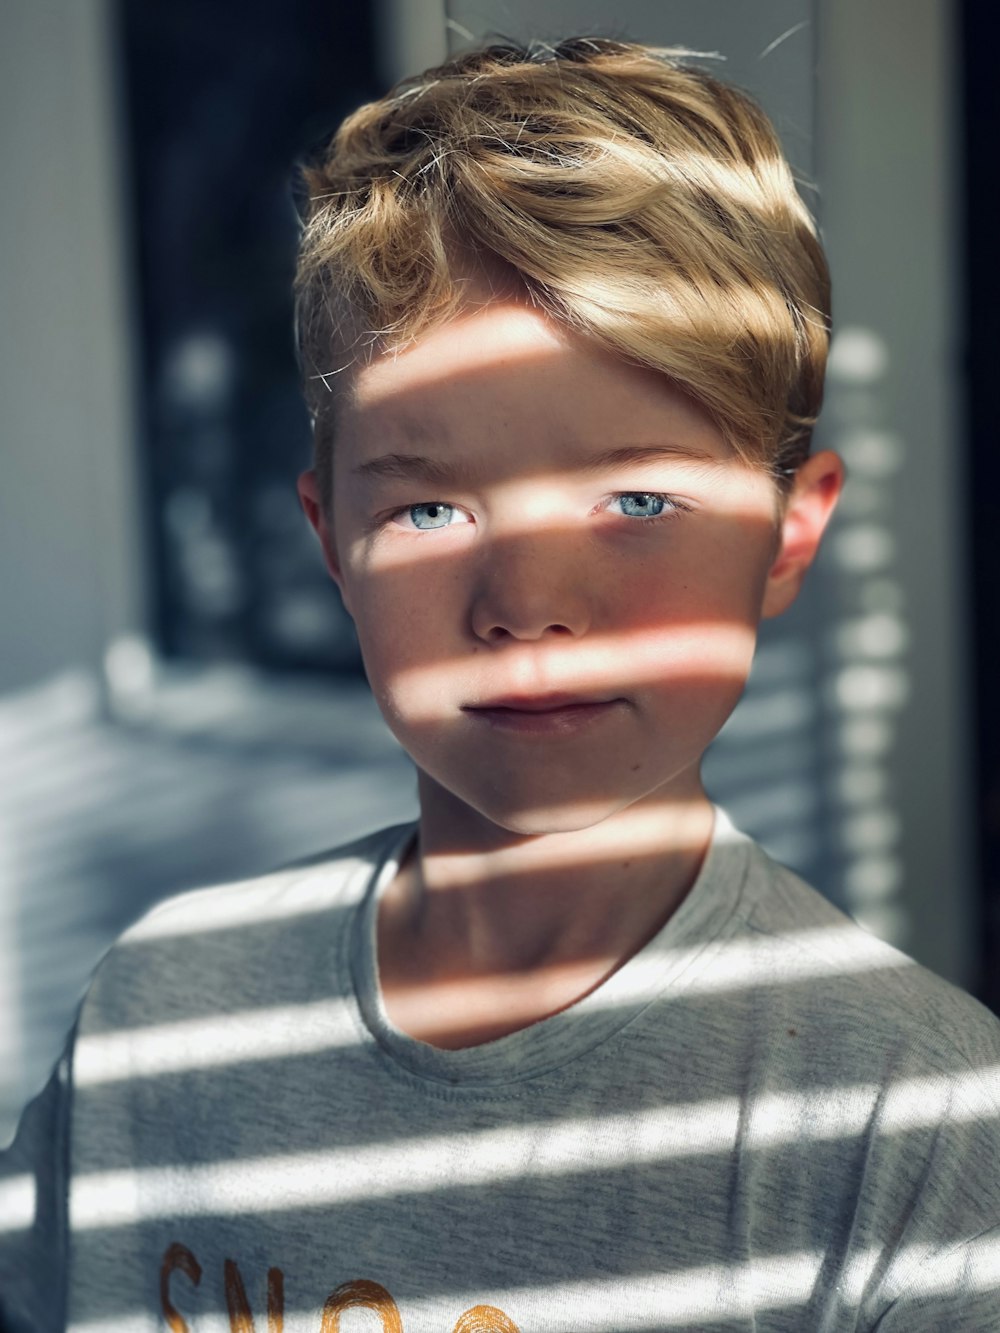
637	200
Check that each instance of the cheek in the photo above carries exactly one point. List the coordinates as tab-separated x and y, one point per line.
708	584
408	623
689	627
700	663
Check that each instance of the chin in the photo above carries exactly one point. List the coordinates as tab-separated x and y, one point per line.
522	808
536	820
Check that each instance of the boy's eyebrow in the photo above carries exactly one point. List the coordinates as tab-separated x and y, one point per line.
416	467
407	467
647	453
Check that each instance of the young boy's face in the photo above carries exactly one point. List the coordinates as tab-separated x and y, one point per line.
556	567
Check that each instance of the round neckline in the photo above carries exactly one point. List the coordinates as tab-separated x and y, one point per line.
570	1033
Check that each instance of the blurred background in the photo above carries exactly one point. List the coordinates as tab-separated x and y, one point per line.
180	693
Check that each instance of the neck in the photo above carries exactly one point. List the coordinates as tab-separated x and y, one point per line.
478	910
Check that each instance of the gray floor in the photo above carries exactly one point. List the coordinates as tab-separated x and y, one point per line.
212	775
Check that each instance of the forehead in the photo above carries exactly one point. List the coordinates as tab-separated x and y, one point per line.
508	368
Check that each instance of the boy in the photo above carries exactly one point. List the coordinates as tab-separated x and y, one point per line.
572	1053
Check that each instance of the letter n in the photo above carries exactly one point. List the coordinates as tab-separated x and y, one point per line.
240	1314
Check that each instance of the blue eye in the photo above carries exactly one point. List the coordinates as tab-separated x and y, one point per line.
641	504
431	515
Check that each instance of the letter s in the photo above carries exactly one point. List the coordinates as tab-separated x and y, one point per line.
176	1256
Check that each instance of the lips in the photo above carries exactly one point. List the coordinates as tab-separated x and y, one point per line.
547	715
546	703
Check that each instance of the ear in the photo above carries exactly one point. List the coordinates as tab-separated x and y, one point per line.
316	513
811	503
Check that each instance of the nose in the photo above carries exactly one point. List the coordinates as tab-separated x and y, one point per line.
526	590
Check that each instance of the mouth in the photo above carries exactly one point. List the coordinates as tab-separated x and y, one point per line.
539	703
550	714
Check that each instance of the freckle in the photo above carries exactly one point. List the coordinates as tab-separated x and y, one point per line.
792	1032
626	864
636	767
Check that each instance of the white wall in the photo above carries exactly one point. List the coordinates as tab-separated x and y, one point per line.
71	569
411	36
69	550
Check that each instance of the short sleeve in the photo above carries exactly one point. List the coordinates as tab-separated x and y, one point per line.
33	1231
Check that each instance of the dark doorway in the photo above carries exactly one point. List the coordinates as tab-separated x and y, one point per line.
220	100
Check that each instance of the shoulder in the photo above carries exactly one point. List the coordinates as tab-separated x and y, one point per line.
876	1005
242	946
303	887
855	1046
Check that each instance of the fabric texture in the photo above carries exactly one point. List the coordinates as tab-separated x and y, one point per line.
765	1120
